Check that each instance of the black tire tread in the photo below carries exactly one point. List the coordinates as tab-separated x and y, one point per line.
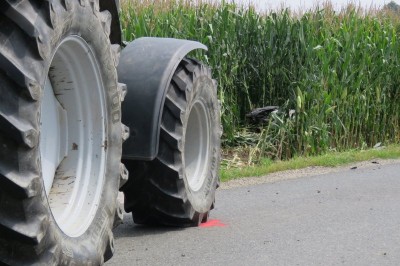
25	27
155	193
20	186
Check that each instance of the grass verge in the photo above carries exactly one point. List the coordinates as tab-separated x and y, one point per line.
331	159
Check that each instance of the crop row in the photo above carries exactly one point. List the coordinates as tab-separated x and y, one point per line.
338	71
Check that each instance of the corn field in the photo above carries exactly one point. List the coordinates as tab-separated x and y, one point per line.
339	71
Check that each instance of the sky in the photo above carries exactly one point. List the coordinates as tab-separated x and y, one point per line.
263	5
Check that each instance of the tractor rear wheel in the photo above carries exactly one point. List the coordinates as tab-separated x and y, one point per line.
60	133
178	187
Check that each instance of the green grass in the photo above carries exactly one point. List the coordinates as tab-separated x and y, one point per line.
331	159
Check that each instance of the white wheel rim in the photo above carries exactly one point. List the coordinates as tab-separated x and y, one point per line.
73	143
197	146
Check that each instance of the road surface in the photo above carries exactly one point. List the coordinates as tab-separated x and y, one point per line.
350	217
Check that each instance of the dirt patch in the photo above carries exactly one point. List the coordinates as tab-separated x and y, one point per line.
305	172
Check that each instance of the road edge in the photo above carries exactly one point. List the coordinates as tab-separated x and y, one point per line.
305	172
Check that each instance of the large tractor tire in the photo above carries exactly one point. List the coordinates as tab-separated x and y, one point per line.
178	187
60	133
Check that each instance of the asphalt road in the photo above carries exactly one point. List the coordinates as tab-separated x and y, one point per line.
346	218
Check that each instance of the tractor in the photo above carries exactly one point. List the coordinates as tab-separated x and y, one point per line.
84	116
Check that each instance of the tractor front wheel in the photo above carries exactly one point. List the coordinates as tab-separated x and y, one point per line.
178	187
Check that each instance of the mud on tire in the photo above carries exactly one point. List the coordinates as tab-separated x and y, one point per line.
31	33
178	187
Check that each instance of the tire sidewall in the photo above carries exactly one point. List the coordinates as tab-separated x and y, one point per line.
204	91
90	247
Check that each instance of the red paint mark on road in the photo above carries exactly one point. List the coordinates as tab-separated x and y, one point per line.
213	223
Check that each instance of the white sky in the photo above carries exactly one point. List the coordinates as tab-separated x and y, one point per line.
264	5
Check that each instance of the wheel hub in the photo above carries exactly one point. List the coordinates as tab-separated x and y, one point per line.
73	143
197	146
